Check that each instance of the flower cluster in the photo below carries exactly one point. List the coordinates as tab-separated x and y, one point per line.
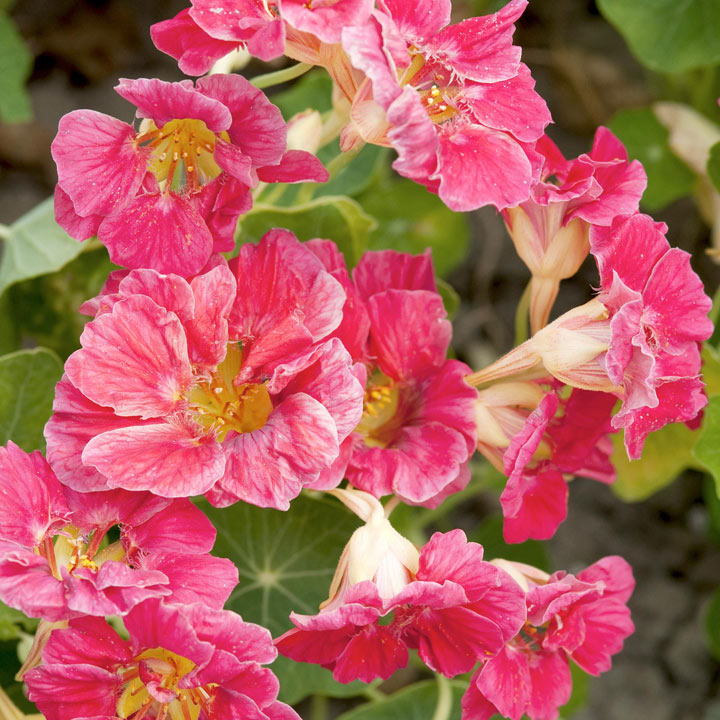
250	373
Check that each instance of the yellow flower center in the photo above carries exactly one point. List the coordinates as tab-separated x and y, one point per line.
182	152
435	94
221	406
379	421
165	668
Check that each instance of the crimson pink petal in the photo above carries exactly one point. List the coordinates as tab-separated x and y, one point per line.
471	158
181	527
257	128
382	270
295	166
481	48
511	105
134	359
327	19
87	641
195	50
98	165
374	652
207	332
410	332
421	18
615	574
551	684
75	421
193	578
76	226
26	583
533	506
31	498
165	101
505	681
66	692
475	706
607	624
453	639
163	231
168	459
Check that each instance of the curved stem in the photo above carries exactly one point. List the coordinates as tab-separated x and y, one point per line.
280	76
521	316
338	163
444	703
4	232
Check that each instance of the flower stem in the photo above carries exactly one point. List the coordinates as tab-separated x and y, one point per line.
521	317
319	707
444	703
338	163
280	76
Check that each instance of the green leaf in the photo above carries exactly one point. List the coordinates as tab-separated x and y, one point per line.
35	245
712	624
13	623
713	166
580	687
646	139
668	35
337	218
357	175
666	454
45	308
312	91
299	679
27	386
15	66
707	449
286	560
711	370
450	298
712	506
411	219
416	702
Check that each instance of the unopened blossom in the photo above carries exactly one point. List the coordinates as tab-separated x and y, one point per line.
168	194
551	230
584	619
181	661
539	437
454	101
417	430
445	602
223	385
55	560
209	29
638	339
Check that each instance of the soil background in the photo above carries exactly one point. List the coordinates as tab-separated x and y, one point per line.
585	73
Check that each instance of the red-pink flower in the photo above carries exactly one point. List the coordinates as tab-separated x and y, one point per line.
169	194
583	618
417	430
564	435
638	339
454	101
210	29
220	385
454	609
551	229
56	564
181	661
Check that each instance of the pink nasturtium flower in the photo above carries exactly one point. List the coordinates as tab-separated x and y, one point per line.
387	598
181	661
417	431
454	101
210	29
222	385
55	562
551	230
538	437
584	619
638	339
167	195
